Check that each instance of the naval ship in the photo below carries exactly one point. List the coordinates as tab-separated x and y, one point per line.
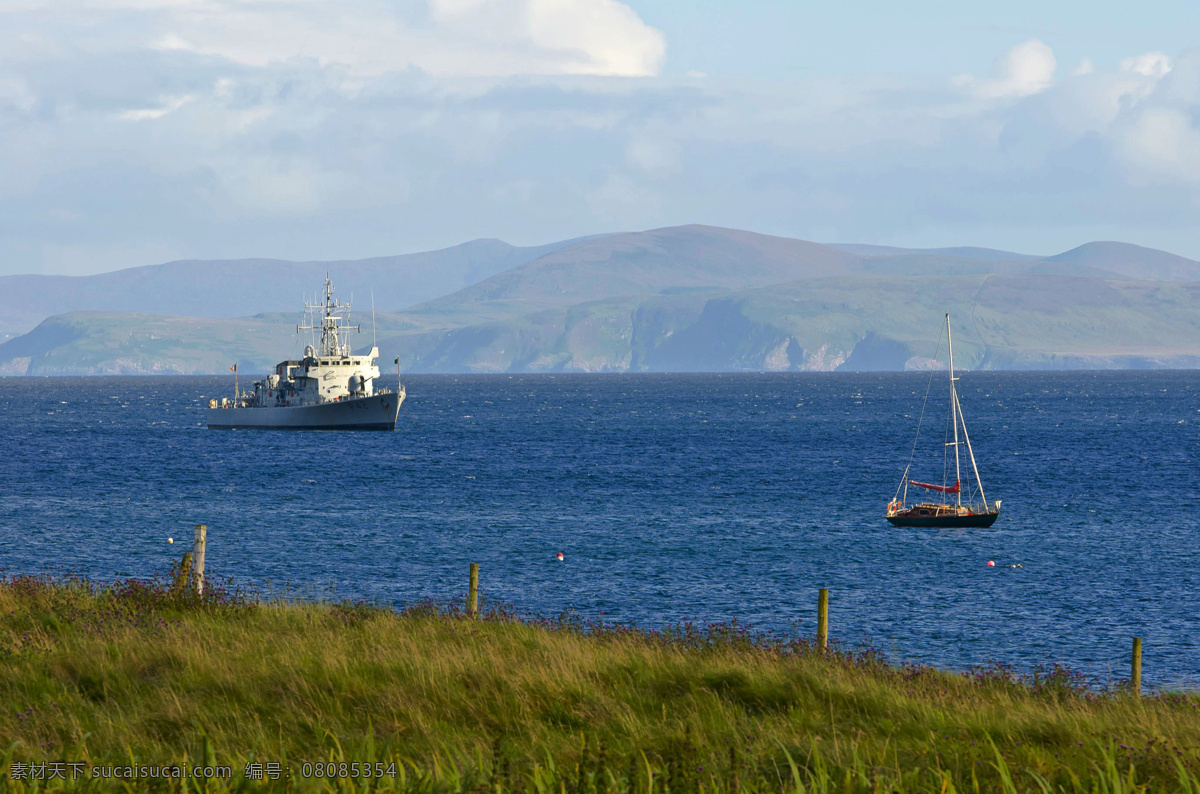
331	388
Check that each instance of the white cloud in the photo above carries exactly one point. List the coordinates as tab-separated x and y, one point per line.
595	37
1162	144
149	114
173	41
598	37
608	33
1150	64
273	154
367	38
1021	71
1085	67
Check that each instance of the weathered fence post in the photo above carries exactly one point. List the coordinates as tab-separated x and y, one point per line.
199	540
823	619
182	574
473	592
1135	664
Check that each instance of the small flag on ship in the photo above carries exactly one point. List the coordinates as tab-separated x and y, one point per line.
233	368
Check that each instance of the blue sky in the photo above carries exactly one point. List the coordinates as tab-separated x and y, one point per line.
139	131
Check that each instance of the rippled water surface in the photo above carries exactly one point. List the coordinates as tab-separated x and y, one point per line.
671	496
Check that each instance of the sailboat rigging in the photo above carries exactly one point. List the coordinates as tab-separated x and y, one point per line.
973	512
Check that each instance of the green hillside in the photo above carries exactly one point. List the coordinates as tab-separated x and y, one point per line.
857	323
111	343
698	298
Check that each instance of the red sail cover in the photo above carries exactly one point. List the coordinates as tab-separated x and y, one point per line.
943	488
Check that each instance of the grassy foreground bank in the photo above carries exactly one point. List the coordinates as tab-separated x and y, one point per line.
139	674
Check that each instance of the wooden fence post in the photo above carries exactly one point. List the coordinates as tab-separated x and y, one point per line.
183	574
823	619
1135	664
199	540
473	592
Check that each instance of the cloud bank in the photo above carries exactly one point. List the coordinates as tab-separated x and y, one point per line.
1024	70
137	131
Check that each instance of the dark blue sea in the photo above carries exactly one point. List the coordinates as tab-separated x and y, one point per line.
704	497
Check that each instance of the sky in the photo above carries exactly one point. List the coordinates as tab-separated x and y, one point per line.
134	132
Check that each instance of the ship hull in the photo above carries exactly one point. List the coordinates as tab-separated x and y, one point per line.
377	412
982	520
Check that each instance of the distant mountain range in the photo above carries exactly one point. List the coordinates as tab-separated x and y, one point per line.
693	298
240	287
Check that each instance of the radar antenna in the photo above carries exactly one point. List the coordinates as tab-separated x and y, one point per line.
332	327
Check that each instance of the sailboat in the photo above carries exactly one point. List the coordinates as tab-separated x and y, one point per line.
975	510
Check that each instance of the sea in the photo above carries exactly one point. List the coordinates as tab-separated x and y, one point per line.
672	497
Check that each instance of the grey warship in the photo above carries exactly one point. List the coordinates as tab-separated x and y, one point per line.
331	388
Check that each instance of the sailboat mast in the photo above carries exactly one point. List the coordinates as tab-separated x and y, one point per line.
971	452
954	413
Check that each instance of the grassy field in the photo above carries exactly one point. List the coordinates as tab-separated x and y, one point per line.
144	673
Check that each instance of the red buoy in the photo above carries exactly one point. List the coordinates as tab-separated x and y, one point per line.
991	563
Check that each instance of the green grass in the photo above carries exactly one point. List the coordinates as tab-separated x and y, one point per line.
144	673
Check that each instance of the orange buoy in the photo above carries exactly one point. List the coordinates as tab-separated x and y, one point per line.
991	563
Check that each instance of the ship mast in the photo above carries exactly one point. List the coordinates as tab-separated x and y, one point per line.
954	414
331	343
